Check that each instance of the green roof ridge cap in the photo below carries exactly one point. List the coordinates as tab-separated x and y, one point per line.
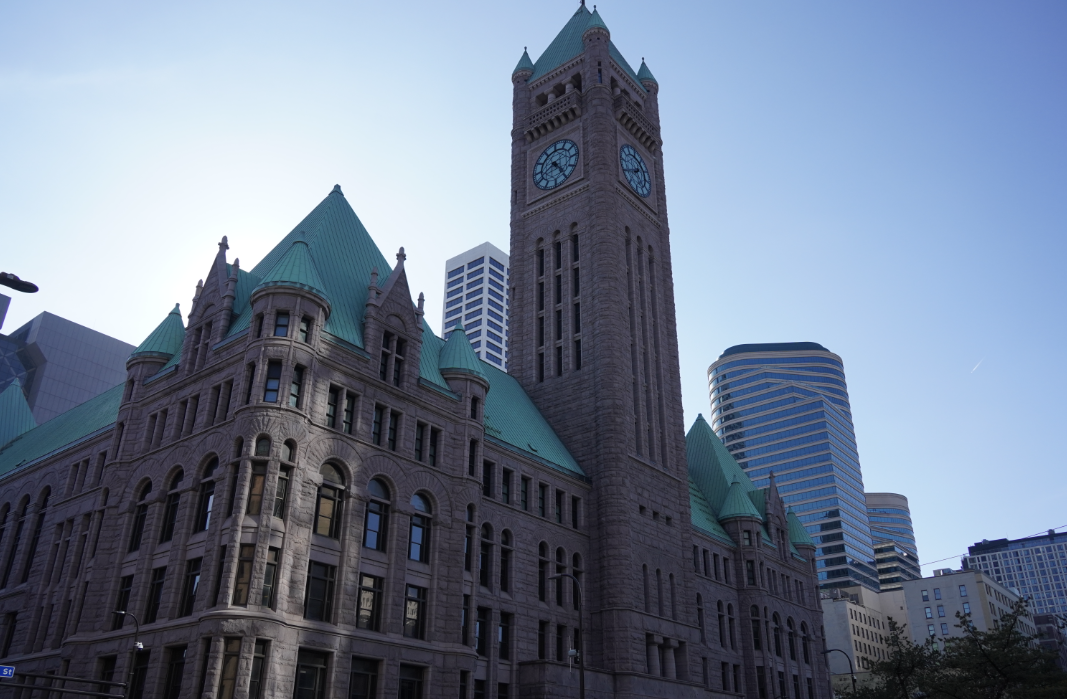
458	356
645	75
166	340
524	64
738	504
297	269
797	533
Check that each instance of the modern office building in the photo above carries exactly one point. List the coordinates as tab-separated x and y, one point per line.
855	625
60	364
476	294
895	551
299	490
782	410
1051	636
1035	565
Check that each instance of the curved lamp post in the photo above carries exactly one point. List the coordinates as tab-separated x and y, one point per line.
136	646
851	669
581	632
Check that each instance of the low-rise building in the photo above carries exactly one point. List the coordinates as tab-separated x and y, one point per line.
856	626
1051	637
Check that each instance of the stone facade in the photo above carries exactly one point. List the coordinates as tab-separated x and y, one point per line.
260	495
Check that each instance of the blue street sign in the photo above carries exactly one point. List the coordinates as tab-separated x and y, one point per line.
7	670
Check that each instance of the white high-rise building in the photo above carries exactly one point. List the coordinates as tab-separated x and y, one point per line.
476	294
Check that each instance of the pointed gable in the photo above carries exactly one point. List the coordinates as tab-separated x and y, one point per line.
568	44
524	64
297	269
710	465
16	417
458	356
344	255
166	340
645	75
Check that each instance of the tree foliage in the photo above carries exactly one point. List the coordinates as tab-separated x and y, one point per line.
1002	663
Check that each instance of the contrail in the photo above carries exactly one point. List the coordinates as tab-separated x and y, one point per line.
978	364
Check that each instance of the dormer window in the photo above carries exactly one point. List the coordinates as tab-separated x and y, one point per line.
281	324
391	366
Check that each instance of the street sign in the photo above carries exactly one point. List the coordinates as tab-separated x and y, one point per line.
7	671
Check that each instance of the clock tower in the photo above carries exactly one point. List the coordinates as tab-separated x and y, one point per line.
593	332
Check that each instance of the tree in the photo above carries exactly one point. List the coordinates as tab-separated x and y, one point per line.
1002	663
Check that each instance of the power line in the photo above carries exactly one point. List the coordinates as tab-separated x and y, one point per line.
959	555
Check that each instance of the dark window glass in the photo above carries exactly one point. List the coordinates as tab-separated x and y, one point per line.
410	682
270	577
542	495
481	631
415	611
243	580
394	421
542	640
370	602
363	683
420	434
310	675
231	655
273	383
281	325
375	525
487	478
419	542
259	668
524	494
376	426
172	686
123	602
434	436
504	637
139	516
204	505
329	504
296	387
281	493
170	517
190	586
505	486
318	598
139	674
155	594
305	328
350	408
255	488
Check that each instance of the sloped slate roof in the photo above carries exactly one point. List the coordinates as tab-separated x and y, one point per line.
62	431
643	73
702	516
458	355
15	414
711	466
512	418
568	44
296	269
524	63
166	340
797	533
344	256
738	504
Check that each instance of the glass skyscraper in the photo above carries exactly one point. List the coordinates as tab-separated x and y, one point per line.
1035	566
783	409
895	551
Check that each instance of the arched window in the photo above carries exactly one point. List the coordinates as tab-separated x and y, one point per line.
140	514
263	446
485	557
805	643
757	641
238	447
777	625
542	572
733	636
15	544
468	540
561	568
722	624
329	503
206	501
419	540
576	571
170	515
42	506
674	607
659	592
505	561
700	619
644	575
289	451
376	522
792	639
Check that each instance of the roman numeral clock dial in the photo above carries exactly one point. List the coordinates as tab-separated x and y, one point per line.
555	164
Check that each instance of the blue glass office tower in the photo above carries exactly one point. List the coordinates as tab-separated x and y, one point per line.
783	409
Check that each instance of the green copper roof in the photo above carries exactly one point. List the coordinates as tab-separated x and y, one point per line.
711	466
512	418
644	74
15	414
703	518
62	431
166	339
524	63
738	504
458	355
296	269
568	44
344	256
797	533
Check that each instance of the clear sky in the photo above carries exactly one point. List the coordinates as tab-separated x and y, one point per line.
887	179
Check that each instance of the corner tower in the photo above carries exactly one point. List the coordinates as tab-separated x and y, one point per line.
593	333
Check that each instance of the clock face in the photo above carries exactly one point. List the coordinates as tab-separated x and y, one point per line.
636	171
555	165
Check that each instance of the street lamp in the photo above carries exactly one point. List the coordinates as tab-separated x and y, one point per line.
137	646
12	280
581	632
848	657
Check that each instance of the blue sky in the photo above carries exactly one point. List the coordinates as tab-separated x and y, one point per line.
886	179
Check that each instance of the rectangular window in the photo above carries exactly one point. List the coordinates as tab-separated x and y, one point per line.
540	331
559	289
281	325
255	488
577	318
273	384
540	366
346	417
281	493
231	655
524	494
559	361
505	569
155	594
190	586
541	262
420	435
966	607
464	620
370	602
561	642
419	539
311	674
243	580
542	640
487	478
305	329
505	486
926	596
363	682
944	629
139	517
559	254
123	602
318	597
929	613
415	611
376	427
259	667
542	495
559	507
559	325
503	637
575	503
170	517
574	248
270	577
472	457
172	686
481	631
296	386
750	573
394	422
963	590
411	681
574	284
937	593
941	610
